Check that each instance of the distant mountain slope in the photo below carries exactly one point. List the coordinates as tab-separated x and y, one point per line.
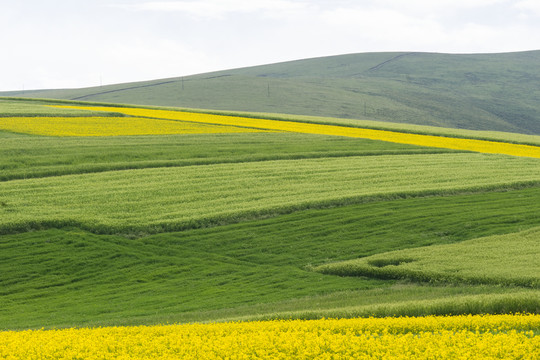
481	92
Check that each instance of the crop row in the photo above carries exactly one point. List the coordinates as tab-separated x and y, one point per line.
109	126
478	337
476	261
166	199
310	128
24	156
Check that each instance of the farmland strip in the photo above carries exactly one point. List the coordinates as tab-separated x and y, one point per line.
466	337
164	199
483	146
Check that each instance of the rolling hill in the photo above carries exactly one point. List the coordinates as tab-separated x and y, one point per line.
479	92
117	221
208	226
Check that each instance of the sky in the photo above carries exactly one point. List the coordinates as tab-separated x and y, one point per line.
49	44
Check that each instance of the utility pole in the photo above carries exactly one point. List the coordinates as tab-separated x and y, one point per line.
268	90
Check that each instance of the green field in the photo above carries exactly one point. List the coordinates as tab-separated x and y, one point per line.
210	227
168	199
49	156
476	261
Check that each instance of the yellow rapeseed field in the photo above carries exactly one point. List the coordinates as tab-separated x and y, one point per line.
431	337
482	146
110	126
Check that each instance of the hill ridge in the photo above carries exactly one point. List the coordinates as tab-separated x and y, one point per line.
397	57
123	89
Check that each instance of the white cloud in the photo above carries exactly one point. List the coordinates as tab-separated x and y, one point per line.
462	26
217	8
373	18
385	29
430	5
477	38
532	7
78	59
442	11
152	59
72	43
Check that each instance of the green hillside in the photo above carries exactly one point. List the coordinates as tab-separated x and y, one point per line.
482	92
235	226
475	261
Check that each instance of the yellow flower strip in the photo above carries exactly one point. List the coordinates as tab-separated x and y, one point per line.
432	337
110	126
482	146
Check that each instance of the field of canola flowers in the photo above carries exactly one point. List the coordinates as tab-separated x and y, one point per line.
110	126
483	146
431	337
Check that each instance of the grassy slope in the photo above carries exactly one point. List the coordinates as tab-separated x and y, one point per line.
485	92
168	199
68	277
32	156
257	268
476	261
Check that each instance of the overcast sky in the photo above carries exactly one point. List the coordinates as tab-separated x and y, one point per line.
80	43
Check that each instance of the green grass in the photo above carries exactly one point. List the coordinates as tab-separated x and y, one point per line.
168	199
479	92
397	300
510	259
32	156
16	107
150	229
69	277
256	268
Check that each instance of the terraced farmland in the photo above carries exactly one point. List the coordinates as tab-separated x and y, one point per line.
257	222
